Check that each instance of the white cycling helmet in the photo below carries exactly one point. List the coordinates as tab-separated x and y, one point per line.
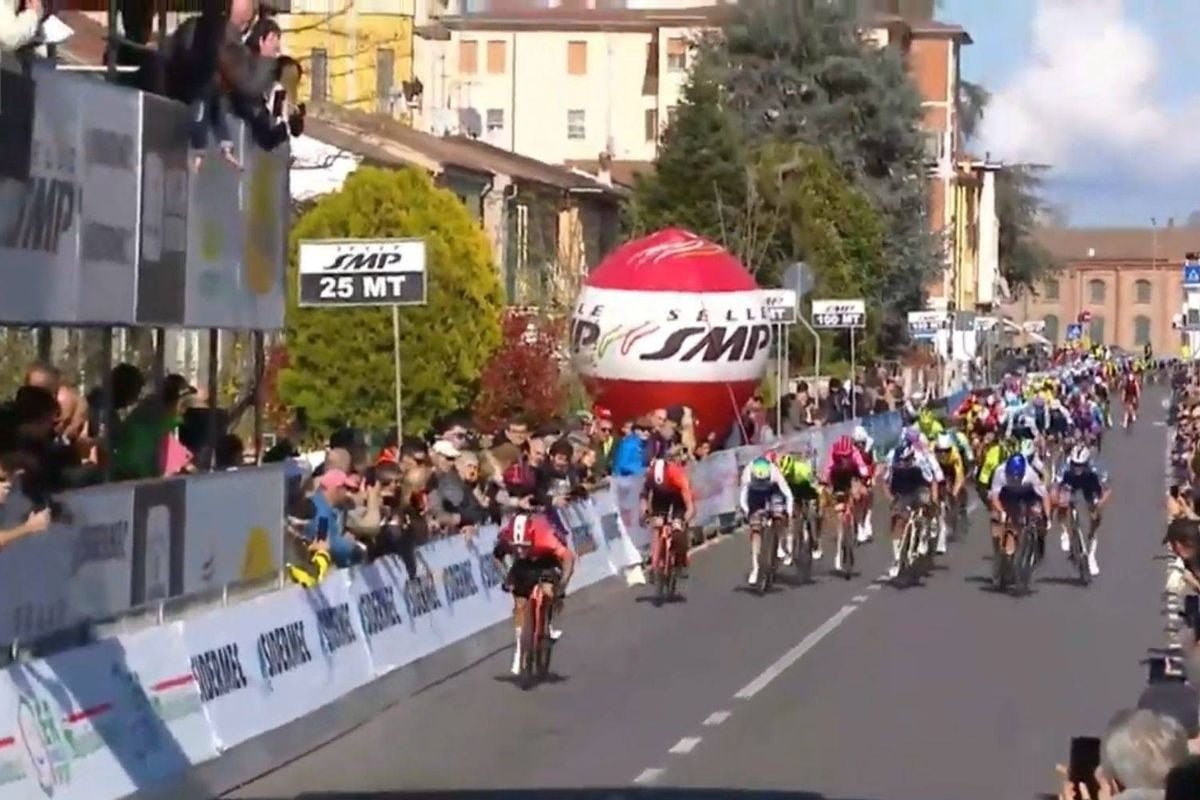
943	442
1080	455
860	435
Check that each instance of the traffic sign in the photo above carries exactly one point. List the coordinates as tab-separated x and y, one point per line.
1191	274
925	324
779	306
1074	332
839	313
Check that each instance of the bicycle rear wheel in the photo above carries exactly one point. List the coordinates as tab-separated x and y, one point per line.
662	578
766	556
529	641
545	645
1079	538
846	535
803	547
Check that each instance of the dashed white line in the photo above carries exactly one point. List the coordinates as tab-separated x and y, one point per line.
859	598
685	745
716	718
649	776
874	587
795	654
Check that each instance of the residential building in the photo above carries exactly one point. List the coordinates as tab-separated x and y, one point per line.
357	53
559	84
549	225
1129	279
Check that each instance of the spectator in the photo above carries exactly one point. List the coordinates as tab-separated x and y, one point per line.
459	504
35	522
587	467
603	439
147	442
442	456
630	458
19	23
557	481
329	520
1138	751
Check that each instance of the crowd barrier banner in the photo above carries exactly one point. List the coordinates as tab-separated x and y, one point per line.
232	527
122	545
610	531
277	657
80	569
715	494
103	720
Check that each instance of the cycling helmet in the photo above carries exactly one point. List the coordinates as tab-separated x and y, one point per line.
911	435
760	469
842	447
944	442
1014	468
904	451
1027	448
1080	456
860	435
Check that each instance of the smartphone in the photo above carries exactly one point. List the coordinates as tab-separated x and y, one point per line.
277	100
1191	608
322	529
1085	758
1158	672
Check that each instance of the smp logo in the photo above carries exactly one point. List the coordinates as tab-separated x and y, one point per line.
381	260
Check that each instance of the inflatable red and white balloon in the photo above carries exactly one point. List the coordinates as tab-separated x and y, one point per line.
671	319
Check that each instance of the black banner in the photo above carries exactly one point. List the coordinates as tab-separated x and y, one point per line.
162	250
159	519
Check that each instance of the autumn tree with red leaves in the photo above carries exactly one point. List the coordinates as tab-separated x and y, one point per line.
524	376
276	415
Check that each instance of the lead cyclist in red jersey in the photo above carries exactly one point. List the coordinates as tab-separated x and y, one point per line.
667	498
536	550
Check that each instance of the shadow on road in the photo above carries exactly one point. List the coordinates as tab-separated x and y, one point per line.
575	794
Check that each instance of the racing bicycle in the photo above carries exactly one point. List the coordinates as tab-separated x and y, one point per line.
1015	571
768	554
847	532
536	644
805	538
666	579
1080	539
915	541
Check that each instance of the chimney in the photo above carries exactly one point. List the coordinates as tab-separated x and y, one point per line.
604	173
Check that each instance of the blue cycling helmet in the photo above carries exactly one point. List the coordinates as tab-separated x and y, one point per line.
1014	468
904	451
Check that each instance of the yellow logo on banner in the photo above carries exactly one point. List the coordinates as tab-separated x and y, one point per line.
256	558
262	225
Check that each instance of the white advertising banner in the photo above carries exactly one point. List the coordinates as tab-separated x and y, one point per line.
591	564
627	492
102	721
78	570
278	657
714	486
610	531
234	527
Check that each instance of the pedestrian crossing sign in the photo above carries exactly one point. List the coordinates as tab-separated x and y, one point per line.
1191	274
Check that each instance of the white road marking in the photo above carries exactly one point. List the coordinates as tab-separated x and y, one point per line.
716	718
649	776
685	745
859	598
874	587
795	654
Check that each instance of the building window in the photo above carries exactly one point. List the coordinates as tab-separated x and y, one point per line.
319	64
1096	291
468	57
676	54
1141	292
1096	331
495	120
576	124
1050	290
497	53
1141	331
577	58
651	124
385	75
1051	331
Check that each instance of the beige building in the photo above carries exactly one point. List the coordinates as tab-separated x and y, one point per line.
1130	279
558	84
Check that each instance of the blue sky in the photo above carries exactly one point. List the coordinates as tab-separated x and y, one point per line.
1106	92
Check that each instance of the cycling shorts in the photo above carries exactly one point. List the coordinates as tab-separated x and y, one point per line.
763	501
666	506
802	492
910	501
527	572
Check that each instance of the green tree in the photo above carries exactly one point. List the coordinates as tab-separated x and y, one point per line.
802	72
340	360
1023	260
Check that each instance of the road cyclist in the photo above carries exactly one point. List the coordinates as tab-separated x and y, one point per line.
799	469
1081	477
763	493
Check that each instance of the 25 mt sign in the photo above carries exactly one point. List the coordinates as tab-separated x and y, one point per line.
362	272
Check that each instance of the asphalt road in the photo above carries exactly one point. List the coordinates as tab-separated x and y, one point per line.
845	690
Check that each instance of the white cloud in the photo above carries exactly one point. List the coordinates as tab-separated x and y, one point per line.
1086	103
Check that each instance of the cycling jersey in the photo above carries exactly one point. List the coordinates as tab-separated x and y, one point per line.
951	464
530	537
756	494
1029	489
1090	481
840	472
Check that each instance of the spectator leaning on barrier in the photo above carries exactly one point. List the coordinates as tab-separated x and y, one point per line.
35	522
630	456
329	521
1138	751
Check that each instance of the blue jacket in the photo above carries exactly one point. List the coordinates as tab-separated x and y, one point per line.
629	457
